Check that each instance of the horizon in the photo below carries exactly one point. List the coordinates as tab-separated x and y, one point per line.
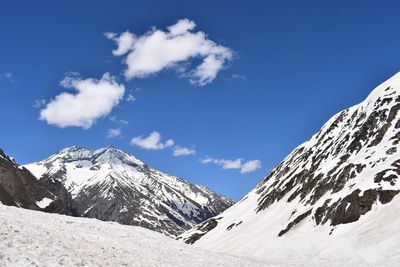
237	98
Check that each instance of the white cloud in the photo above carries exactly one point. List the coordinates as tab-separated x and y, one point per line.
125	41
237	76
130	98
238	164
93	99
207	71
181	27
39	103
9	76
250	166
157	50
182	151
224	163
151	142
112	133
116	120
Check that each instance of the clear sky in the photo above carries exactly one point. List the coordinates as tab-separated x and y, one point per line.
233	80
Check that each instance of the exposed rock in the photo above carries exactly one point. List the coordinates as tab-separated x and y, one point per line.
200	230
294	222
18	187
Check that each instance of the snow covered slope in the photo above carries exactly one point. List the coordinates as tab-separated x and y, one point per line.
110	185
335	197
31	238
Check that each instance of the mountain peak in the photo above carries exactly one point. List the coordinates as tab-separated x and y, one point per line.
113	155
71	149
110	150
106	155
386	89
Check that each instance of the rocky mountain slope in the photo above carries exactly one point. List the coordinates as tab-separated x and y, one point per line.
110	185
18	187
335	196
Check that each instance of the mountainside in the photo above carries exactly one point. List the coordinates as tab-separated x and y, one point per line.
335	196
18	187
110	185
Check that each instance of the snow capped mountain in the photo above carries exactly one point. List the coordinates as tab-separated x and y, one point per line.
336	196
108	184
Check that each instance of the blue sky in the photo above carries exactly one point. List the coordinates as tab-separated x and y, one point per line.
282	69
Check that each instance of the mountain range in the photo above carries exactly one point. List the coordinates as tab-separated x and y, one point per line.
110	185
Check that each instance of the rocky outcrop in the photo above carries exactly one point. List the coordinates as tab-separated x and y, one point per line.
200	230
18	187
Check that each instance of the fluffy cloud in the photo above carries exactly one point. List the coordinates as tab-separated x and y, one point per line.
238	164
225	163
157	50
151	142
124	41
93	99
250	166
112	133
182	151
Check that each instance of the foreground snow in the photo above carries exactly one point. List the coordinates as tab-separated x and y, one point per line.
373	241
32	238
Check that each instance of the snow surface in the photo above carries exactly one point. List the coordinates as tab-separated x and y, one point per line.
44	202
33	238
373	241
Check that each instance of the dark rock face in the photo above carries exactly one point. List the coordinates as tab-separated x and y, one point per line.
18	187
111	185
201	230
63	203
294	222
351	208
6	198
